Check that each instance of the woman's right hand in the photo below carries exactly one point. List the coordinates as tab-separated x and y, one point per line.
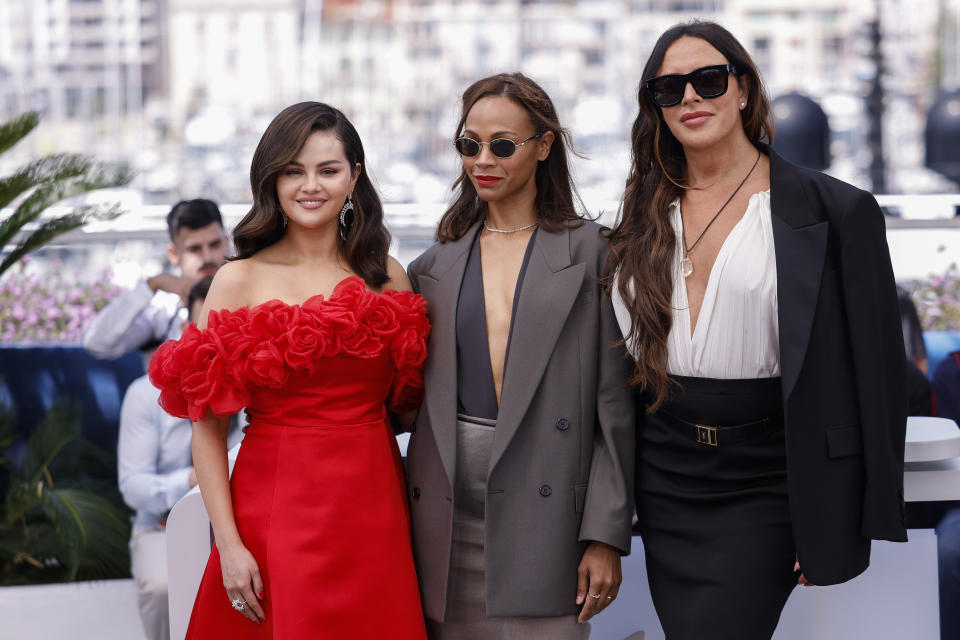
241	579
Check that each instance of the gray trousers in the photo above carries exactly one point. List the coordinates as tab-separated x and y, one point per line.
466	617
148	564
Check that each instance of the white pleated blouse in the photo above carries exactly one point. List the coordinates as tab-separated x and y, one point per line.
737	335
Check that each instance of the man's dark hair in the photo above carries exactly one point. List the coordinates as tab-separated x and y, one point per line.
198	292
192	214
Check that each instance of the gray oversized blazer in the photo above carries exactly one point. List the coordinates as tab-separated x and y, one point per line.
561	471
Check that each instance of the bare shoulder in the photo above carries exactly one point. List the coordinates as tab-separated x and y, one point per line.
398	280
229	288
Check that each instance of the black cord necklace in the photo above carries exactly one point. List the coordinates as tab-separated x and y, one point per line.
686	264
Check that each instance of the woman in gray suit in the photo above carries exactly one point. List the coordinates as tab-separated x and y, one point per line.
521	460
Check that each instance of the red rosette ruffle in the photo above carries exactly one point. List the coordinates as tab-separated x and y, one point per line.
196	374
213	370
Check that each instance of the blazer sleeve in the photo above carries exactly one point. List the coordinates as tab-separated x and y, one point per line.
608	505
879	365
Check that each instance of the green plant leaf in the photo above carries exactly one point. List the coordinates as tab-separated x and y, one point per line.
53	228
58	428
6	434
13	131
93	530
56	178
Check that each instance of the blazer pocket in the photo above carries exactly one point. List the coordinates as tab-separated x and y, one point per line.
844	441
580	496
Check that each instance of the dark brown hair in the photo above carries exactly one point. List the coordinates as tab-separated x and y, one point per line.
556	195
365	248
643	242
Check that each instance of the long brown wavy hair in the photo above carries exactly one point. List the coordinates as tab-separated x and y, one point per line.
642	243
368	240
557	199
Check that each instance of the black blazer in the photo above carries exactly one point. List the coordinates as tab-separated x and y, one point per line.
843	369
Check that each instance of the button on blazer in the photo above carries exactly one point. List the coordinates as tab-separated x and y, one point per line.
561	470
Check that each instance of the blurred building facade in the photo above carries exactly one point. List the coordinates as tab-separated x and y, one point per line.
184	88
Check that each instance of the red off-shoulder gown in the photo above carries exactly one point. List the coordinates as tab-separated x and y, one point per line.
318	487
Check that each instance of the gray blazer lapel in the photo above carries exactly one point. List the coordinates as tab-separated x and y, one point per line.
800	239
442	284
550	287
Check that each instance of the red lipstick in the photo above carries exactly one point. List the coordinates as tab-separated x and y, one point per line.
486	181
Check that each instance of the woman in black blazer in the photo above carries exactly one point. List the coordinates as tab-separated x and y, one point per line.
759	302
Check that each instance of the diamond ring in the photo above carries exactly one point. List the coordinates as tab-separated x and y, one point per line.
238	604
595	595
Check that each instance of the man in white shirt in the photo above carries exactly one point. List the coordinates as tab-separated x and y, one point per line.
153	311
155	471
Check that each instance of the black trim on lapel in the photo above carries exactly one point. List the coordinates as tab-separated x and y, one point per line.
442	282
550	287
800	241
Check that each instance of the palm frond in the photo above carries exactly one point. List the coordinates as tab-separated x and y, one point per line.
94	531
53	179
53	228
15	130
6	434
59	427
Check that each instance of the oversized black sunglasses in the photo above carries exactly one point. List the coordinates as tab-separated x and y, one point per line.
708	82
500	147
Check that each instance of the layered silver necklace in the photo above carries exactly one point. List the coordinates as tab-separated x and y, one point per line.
494	230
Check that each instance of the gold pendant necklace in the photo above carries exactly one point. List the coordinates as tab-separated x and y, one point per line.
686	264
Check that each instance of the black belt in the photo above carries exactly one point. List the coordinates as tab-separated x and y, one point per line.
715	436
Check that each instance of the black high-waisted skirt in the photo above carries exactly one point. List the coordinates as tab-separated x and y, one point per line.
715	519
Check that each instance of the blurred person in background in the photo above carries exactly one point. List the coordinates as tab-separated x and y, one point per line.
946	404
521	462
759	301
154	310
919	392
155	471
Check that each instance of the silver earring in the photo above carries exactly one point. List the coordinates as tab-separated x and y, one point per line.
283	218
346	217
743	104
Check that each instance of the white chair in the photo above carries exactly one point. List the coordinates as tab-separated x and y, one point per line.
189	539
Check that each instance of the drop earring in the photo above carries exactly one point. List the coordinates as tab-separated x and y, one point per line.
346	217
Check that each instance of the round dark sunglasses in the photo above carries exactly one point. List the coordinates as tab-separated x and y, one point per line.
708	82
500	147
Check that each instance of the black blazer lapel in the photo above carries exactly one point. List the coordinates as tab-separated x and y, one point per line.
440	286
550	287
800	239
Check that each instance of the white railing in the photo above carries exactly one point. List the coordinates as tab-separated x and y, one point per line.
922	230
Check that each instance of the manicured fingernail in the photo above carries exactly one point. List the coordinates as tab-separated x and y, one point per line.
579	599
796	566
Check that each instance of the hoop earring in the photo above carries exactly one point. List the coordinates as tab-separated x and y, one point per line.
346	218
283	219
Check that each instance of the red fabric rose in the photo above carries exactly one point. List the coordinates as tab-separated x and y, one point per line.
234	331
359	341
266	365
207	383
409	349
382	319
302	344
407	389
352	294
273	318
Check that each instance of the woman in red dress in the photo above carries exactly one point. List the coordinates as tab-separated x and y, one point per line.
312	329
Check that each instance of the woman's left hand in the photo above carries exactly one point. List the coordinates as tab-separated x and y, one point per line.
598	579
802	579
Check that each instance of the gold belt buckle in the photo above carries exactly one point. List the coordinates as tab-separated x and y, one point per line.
707	435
